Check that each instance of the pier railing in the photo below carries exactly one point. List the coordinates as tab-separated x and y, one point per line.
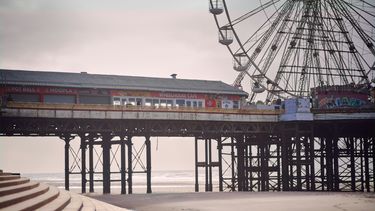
95	107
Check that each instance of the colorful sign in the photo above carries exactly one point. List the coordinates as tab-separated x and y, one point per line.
40	90
342	100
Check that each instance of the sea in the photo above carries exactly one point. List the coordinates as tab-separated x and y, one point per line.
181	181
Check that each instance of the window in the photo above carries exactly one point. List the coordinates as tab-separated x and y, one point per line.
169	103
139	101
180	102
188	103
116	101
195	104
148	102
132	101
88	99
200	104
123	101
155	102
25	97
163	103
236	105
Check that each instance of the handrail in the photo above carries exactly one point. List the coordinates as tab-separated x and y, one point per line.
132	108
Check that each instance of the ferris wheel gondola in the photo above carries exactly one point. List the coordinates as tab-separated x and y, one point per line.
288	47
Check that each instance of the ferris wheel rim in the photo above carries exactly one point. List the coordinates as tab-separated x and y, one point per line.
276	89
250	60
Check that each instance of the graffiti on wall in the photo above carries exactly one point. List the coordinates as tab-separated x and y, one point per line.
342	101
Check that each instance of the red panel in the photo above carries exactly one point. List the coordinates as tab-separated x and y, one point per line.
211	103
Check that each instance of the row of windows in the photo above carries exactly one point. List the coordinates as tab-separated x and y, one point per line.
135	101
69	99
158	102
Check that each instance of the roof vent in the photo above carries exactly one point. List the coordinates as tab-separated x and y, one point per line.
83	72
174	75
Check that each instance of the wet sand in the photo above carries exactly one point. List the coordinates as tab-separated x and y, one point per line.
268	201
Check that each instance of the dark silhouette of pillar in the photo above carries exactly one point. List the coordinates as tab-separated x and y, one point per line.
220	157
240	163
233	158
106	145
148	163
83	163
285	162
196	165
130	165
67	138
210	164
123	167
91	164
206	164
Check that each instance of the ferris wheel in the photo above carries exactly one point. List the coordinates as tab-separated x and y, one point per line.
284	48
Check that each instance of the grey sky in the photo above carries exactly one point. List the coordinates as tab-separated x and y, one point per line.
114	37
147	38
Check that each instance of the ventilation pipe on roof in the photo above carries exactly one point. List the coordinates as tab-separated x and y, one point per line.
174	75
83	72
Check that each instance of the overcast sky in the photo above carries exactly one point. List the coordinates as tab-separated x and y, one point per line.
147	38
125	37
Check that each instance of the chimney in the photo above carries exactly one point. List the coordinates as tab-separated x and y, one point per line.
174	75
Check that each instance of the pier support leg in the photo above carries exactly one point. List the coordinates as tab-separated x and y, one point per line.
220	156
209	164
130	165
67	139
148	163
329	163
123	167
91	165
352	164
233	158
285	163
196	165
240	163
83	163
206	164
106	145
336	165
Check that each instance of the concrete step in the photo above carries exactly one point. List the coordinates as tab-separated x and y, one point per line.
17	188
102	206
22	196
59	203
35	202
75	204
18	181
9	177
87	204
8	173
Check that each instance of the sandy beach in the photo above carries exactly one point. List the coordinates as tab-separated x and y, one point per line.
270	201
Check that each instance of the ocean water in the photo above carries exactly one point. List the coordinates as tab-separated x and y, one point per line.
162	181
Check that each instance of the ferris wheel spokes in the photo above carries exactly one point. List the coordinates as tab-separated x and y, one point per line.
309	44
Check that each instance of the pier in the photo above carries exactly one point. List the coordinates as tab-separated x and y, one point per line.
333	151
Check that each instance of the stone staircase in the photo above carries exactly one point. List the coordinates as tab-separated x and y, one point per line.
19	193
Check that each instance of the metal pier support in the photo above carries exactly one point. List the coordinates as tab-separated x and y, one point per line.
196	165
83	163
106	145
220	157
130	165
241	163
67	138
123	166
91	164
148	163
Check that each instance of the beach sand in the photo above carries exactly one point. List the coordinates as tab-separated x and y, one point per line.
268	201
